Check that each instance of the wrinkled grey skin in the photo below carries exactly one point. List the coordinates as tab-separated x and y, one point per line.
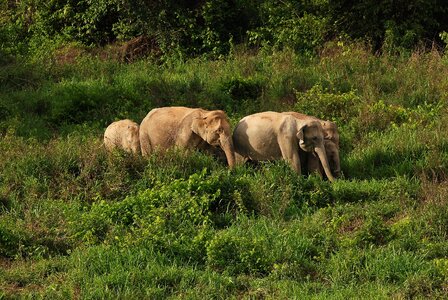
273	135
187	128
124	135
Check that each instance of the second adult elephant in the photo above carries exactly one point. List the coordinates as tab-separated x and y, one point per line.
188	128
273	135
331	143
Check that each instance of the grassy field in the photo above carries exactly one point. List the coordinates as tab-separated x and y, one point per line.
77	222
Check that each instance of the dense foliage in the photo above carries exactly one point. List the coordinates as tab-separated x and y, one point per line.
191	28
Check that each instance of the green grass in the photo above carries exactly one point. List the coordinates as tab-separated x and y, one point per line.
77	222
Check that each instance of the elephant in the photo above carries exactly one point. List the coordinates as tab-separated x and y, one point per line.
188	128
331	143
123	134
312	163
273	135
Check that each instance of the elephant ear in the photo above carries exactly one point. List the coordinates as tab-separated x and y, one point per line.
300	132
197	123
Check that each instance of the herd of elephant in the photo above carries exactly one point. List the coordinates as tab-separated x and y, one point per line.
307	143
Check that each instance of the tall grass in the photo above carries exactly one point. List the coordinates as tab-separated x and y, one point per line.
78	222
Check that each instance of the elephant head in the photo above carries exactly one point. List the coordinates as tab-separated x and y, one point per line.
331	131
214	128
311	139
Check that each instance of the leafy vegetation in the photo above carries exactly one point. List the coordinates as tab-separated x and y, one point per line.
79	222
214	28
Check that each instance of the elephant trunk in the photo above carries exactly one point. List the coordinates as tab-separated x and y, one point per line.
227	146
320	151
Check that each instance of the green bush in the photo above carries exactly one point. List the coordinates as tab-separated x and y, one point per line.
259	247
76	167
389	154
422	286
380	117
236	254
140	272
325	105
290	24
373	232
174	217
278	191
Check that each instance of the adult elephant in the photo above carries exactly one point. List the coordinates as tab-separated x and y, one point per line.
189	128
331	143
272	135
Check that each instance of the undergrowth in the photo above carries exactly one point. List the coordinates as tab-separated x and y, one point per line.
78	222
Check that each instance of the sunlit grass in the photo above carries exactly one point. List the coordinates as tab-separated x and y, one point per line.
78	222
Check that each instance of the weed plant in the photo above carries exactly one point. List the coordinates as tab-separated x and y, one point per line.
78	222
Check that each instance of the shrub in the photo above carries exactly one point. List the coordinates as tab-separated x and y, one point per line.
422	285
238	254
379	116
260	247
373	232
76	167
325	105
174	217
290	24
399	189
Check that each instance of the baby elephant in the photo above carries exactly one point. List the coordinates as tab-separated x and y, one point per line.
123	134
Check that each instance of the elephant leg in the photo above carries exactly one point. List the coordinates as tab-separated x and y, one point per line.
290	152
145	145
239	159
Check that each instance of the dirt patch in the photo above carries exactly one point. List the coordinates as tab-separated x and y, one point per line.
5	263
351	225
68	54
137	48
17	290
434	193
128	51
